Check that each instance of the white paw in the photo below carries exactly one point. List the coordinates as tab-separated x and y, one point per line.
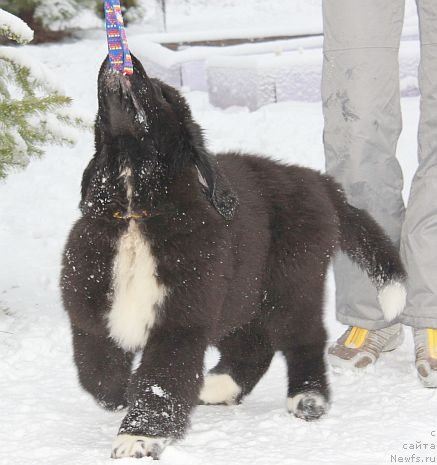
219	389
392	299
309	405
127	445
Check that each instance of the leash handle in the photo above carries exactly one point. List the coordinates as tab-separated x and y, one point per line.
118	50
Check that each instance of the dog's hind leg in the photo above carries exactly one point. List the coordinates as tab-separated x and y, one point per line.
296	327
308	393
104	369
246	354
302	338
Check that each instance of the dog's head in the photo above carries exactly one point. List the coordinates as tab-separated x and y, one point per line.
152	122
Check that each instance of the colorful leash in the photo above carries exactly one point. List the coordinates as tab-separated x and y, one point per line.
118	50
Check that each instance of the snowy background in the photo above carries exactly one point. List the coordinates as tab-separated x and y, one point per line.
46	419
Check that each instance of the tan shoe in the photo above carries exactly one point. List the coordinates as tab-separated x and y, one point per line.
425	341
359	348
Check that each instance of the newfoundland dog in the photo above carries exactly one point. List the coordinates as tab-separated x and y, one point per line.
177	249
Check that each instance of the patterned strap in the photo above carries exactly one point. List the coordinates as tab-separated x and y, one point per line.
118	50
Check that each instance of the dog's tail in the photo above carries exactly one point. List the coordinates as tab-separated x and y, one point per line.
367	245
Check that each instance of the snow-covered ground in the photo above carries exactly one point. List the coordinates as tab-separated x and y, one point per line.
45	417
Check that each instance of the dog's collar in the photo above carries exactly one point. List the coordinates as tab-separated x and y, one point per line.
130	216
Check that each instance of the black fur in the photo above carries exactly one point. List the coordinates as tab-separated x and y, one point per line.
242	242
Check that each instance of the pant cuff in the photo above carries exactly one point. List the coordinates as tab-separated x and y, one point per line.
418	322
363	323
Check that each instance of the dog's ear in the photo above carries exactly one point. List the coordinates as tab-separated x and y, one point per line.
212	179
215	185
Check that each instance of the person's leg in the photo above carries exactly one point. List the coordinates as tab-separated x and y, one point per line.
419	233
361	105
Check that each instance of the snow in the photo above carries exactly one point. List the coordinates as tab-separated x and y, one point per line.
39	74
230	16
285	74
257	80
252	74
54	13
188	65
47	419
158	391
63	132
15	26
165	57
240	33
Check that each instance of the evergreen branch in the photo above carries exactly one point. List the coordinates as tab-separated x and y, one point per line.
4	91
18	74
6	31
22	70
14	28
38	115
11	110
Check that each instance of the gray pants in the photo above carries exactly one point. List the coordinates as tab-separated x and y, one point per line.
361	106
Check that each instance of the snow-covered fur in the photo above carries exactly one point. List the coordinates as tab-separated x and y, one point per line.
235	250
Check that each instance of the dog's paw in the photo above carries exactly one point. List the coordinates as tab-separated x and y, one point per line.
309	405
219	389
127	445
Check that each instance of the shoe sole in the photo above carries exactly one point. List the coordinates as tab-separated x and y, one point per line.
339	364
429	381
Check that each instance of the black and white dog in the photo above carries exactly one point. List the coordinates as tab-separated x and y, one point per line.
177	249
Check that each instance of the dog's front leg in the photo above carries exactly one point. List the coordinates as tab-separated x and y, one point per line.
163	391
104	369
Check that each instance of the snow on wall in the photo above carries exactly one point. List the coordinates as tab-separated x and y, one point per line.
240	33
187	67
256	81
194	75
170	75
158	61
243	85
253	75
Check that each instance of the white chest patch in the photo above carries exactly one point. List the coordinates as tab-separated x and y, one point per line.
137	293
